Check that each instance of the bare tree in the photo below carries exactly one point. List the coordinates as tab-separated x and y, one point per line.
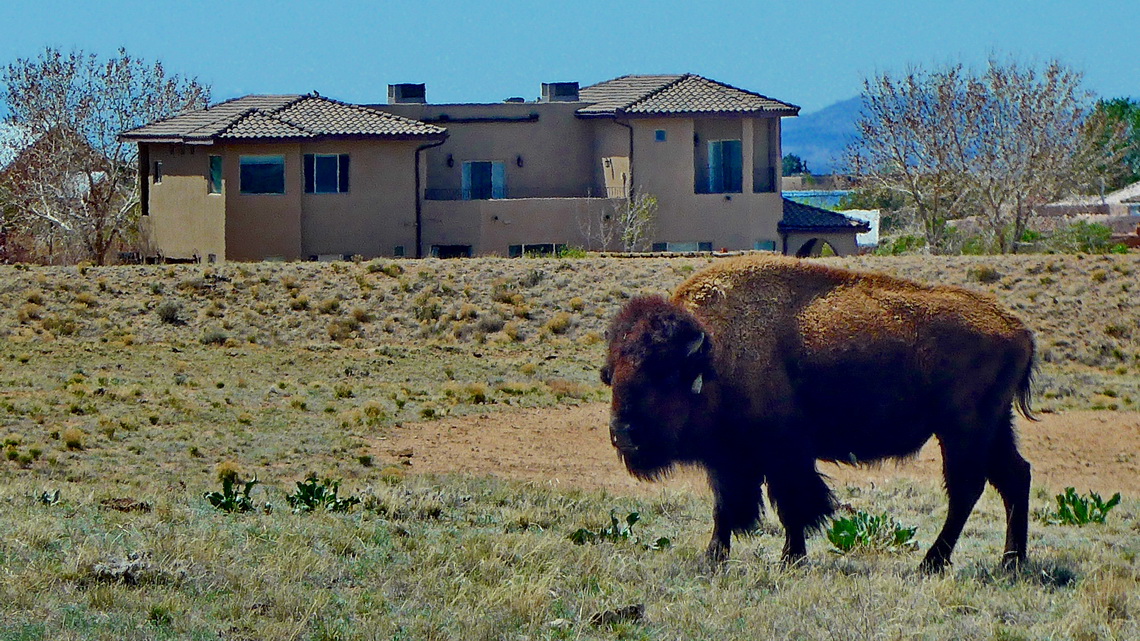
992	145
630	224
908	142
636	219
598	227
76	180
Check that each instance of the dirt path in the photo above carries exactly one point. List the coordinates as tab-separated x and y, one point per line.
569	447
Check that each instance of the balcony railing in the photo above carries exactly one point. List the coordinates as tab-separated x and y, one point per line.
579	191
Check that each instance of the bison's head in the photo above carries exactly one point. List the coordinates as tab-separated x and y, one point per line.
659	362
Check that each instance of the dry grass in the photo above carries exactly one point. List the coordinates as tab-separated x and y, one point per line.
174	375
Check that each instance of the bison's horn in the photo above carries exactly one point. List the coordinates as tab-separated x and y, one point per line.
698	383
696	345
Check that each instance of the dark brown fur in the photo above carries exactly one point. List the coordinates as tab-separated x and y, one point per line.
760	367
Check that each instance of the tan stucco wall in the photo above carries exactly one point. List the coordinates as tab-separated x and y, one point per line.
260	226
379	211
185	220
556	149
492	226
667	170
372	219
843	243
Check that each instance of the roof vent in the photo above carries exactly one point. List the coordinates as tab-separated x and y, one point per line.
559	92
407	92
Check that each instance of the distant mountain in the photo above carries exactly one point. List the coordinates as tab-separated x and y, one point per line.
819	137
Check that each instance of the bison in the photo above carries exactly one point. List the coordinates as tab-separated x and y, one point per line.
762	365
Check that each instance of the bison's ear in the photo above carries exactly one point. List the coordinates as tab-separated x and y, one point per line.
607	374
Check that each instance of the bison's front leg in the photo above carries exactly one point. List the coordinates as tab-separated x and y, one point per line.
720	545
737	509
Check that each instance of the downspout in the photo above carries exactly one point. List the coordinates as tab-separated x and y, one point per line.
419	197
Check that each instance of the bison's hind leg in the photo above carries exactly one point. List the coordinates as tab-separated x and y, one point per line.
965	480
1009	473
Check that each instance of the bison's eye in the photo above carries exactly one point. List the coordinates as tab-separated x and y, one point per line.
607	374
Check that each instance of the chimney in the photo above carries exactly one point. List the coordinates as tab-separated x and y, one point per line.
407	92
559	92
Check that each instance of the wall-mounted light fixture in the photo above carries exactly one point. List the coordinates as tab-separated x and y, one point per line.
450	160
519	161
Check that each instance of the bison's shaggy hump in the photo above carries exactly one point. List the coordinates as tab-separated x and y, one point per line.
759	366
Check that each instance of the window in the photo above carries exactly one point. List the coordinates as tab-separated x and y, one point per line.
157	172
326	173
262	174
398	252
684	247
659	135
483	180
764	245
451	251
215	174
535	249
726	167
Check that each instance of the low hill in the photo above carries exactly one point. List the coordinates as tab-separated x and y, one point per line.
820	137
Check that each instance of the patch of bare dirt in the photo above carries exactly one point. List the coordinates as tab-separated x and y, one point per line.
569	447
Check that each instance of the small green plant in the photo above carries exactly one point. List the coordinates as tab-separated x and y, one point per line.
617	532
170	312
229	499
983	274
314	493
1074	509
867	532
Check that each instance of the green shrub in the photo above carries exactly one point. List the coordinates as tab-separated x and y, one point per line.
1082	236
905	244
314	493
229	499
617	532
1073	509
983	274
867	532
170	312
213	336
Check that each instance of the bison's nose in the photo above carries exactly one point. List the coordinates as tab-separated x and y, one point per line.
620	435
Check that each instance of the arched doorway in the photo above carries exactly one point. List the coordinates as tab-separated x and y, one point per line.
816	247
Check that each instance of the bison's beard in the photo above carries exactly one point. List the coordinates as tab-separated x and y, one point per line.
646	464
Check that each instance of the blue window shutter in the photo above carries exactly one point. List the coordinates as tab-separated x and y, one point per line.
466	181
733	164
344	173
716	167
498	180
309	173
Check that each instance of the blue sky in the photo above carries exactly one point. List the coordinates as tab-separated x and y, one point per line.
808	53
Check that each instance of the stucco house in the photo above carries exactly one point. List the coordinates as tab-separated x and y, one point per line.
302	176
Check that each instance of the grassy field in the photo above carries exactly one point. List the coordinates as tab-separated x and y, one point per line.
129	390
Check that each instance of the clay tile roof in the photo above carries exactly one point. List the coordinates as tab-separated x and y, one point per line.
204	124
675	95
258	124
284	117
612	95
800	217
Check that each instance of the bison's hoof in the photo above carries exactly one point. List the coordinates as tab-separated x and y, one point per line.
933	565
716	556
1012	562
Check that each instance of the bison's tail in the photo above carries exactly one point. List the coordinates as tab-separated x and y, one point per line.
1025	387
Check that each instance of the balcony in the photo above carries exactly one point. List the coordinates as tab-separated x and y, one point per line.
763	180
